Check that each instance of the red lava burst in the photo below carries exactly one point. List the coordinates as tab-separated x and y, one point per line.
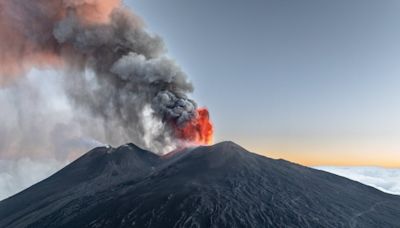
199	130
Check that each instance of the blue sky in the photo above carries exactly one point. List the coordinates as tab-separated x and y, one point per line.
294	79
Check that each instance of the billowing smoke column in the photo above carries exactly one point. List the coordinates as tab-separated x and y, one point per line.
114	69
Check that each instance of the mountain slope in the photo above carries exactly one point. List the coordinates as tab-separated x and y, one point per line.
218	186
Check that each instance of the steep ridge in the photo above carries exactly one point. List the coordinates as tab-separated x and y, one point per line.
98	169
218	186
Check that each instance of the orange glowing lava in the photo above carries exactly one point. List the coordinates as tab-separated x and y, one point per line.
199	130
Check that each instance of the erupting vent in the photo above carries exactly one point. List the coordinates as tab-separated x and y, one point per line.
114	68
199	130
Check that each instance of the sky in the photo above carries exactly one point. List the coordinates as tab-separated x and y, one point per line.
315	82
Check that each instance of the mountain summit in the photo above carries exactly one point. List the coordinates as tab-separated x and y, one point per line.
212	186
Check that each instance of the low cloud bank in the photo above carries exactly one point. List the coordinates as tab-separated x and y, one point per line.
384	179
17	175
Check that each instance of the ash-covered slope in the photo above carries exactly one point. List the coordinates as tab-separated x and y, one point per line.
217	186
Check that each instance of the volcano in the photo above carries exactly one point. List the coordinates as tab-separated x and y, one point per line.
210	186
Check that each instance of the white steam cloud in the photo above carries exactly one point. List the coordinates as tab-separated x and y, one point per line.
384	179
16	175
38	121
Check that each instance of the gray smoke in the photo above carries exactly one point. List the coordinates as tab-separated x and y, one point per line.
116	74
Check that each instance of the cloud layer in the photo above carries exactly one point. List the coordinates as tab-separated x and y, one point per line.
384	179
17	175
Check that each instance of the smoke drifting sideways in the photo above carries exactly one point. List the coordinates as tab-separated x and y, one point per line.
115	74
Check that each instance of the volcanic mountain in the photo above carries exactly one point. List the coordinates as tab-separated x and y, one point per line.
212	186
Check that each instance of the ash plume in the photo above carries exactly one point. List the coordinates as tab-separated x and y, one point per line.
114	70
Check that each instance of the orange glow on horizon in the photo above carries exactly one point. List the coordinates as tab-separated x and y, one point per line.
338	159
353	153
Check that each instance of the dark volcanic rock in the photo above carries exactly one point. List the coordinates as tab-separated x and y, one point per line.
218	186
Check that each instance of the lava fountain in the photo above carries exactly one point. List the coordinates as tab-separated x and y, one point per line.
198	130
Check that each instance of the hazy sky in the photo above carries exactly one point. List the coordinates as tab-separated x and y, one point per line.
315	82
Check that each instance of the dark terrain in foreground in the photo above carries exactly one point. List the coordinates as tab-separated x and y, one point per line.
217	186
